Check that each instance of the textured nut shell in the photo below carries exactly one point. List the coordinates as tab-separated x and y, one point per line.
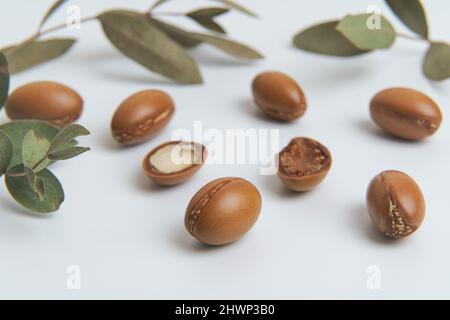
405	113
141	116
47	101
229	209
171	178
279	96
395	204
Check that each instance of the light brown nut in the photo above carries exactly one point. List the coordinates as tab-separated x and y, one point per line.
47	101
174	162
405	113
141	116
303	164
395	204
223	211
279	96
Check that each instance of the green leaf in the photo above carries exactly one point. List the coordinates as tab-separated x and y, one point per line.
233	4
31	54
4	80
66	135
16	131
50	11
412	14
6	152
34	151
141	41
180	36
205	17
325	39
367	31
436	65
24	194
67	153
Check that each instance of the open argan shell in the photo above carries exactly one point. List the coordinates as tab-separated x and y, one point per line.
303	164
174	162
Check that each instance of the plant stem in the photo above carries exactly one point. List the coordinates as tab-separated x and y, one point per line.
414	38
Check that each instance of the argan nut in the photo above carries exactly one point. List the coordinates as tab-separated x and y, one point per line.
395	204
174	162
405	113
279	96
141	116
303	164
223	211
47	101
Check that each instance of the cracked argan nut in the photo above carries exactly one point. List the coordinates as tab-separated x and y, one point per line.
303	164
279	96
174	162
223	211
405	113
47	101
141	116
395	204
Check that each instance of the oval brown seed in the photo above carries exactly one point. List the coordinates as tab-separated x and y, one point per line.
223	211
174	162
47	101
395	204
141	116
303	164
279	96
405	113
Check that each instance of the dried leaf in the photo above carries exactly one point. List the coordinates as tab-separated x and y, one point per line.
30	54
66	154
52	10
4	80
325	39
239	7
6	152
412	14
141	41
67	135
180	36
436	65
27	196
34	151
367	31
205	17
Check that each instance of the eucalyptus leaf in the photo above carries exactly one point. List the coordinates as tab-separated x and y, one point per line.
6	152
66	154
4	80
412	14
50	11
180	36
67	135
31	54
436	65
367	31
324	39
24	194
233	4
34	151
205	17
141	41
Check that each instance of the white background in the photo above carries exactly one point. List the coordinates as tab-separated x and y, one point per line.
127	235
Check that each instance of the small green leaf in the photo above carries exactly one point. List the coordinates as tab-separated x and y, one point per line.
67	153
367	31
325	39
412	14
4	80
24	194
67	135
233	4
34	151
180	36
205	17
50	11
141	41
436	65
31	54
6	152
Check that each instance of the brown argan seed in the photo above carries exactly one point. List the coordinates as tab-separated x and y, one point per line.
174	162
279	96
405	113
47	101
303	164
223	211
395	204
141	116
